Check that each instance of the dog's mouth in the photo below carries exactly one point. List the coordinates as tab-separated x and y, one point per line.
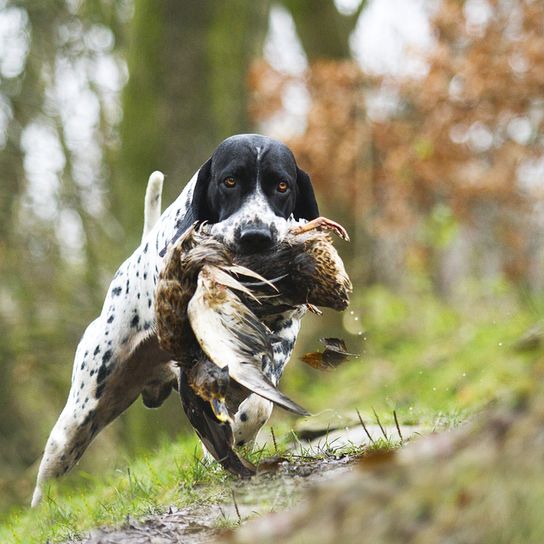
247	238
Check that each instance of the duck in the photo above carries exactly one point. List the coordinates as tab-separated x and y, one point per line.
304	268
209	304
218	344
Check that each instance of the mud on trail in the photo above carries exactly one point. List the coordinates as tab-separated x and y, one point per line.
278	486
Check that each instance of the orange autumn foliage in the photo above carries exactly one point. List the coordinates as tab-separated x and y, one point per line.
467	135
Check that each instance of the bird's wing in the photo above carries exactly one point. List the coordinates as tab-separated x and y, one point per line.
217	437
230	334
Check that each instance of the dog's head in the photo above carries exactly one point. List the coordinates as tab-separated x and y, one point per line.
248	189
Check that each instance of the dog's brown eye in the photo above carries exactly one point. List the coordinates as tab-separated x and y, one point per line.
229	182
283	186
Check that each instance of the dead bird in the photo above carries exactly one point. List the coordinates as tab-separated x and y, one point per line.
197	276
206	318
195	299
305	269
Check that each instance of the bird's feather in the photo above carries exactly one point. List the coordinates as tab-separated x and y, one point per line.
230	334
217	437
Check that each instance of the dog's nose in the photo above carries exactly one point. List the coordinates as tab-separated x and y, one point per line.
255	239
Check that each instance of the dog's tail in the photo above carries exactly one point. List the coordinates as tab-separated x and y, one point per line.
152	206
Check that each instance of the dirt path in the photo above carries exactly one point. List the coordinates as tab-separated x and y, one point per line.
481	482
200	523
278	486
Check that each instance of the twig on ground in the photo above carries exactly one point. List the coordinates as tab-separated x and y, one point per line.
398	426
364	426
236	507
274	440
380	424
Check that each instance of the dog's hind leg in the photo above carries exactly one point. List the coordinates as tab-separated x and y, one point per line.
68	440
99	393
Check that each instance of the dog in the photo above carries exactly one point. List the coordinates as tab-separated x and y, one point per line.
249	191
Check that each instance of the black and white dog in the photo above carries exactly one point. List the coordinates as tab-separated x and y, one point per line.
250	190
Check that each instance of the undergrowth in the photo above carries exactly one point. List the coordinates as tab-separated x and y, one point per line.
428	362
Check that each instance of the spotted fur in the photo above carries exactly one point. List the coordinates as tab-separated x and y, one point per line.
118	357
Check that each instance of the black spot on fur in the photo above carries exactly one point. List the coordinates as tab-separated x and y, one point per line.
135	321
243	416
138	296
116	291
103	372
145	275
149	303
100	390
147	325
146	246
111	318
139	259
96	350
127	287
106	357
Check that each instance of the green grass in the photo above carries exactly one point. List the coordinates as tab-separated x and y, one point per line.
173	475
433	363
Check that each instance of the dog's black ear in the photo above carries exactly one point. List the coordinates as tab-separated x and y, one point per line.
199	205
306	204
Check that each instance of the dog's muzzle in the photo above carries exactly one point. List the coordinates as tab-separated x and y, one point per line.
253	239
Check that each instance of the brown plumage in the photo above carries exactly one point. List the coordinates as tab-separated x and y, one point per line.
221	327
195	299
309	267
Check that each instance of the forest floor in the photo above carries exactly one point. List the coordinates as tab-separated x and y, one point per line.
457	375
480	482
283	480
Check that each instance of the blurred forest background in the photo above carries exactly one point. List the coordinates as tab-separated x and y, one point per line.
420	123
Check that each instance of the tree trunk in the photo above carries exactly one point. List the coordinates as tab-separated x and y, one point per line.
187	92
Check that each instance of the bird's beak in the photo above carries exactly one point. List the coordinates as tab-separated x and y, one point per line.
220	409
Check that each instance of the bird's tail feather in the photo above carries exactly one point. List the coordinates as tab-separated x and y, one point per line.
254	380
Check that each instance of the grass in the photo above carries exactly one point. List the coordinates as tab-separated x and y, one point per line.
173	475
431	362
